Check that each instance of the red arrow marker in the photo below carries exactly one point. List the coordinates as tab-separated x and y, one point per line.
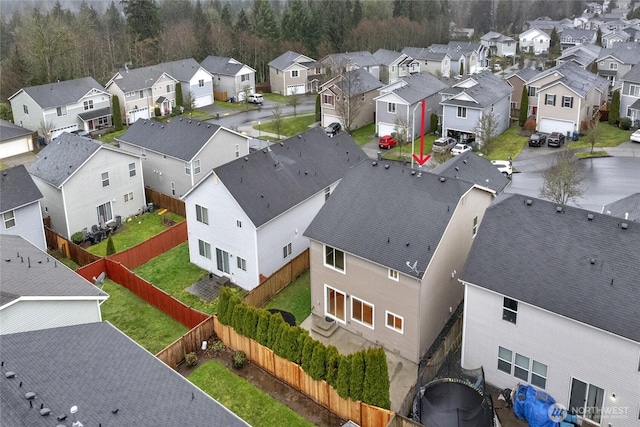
422	159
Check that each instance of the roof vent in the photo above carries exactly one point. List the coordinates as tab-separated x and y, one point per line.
282	144
208	126
199	123
457	168
180	119
189	121
10	374
62	417
590	217
464	161
29	395
592	261
299	136
374	163
45	411
443	179
264	151
246	159
529	202
624	225
558	208
386	166
413	172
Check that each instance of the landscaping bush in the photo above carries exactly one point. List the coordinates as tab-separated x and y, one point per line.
433	126
307	353
191	359
530	125
239	359
333	358
318	368
625	123
223	304
280	344
250	322
237	318
302	339
376	379
231	305
214	348
344	376
156	111
77	237
614	109
262	330
274	329
357	375
111	248
290	344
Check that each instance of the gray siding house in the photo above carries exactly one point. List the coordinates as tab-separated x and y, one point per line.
39	292
630	95
432	62
395	65
473	168
292	73
20	206
195	80
393	281
178	154
15	140
87	183
615	62
336	63
230	76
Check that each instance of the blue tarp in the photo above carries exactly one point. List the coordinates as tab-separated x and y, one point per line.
532	406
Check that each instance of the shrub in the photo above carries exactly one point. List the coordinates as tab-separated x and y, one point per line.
191	359
376	379
357	376
239	359
302	339
333	358
291	343
231	305
116	114
307	353
614	109
156	111
215	348
625	123
77	237
344	376
280	343
274	329
237	318
433	126
262	330
318	368
250	321
223	304
530	125
111	248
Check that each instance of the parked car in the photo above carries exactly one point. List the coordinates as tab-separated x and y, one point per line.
459	149
537	140
387	141
332	129
635	136
555	139
504	166
443	144
255	98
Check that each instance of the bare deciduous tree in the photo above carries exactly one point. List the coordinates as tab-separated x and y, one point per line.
562	180
593	132
278	118
486	132
293	100
189	103
45	128
349	98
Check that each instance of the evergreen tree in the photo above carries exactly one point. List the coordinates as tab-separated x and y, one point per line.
333	359
344	377
614	109
554	43
262	330
242	22
264	20
223	298
357	13
599	37
116	114
250	322
233	301
274	329
302	339
433	125
307	353
202	32
111	248
295	21
225	16
357	375
524	106
143	18
237	318
179	97
318	108
461	70
318	368
376	379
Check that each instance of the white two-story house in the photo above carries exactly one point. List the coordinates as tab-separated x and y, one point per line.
196	82
230	77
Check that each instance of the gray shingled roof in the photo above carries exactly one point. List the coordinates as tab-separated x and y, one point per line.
628	206
267	183
221	65
386	56
358	82
419	86
489	89
9	131
29	272
525	74
362	58
17	188
101	371
139	78
577	78
285	60
627	55
424	53
633	75
473	168
181	138
183	70
61	93
62	158
586	270
387	215
577	33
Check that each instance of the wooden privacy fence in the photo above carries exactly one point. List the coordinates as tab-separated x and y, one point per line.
68	248
165	201
262	293
174	353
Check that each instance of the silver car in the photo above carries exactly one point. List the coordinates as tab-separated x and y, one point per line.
443	144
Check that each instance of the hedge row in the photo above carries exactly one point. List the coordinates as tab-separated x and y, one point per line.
360	376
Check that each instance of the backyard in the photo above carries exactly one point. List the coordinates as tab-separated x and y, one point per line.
295	298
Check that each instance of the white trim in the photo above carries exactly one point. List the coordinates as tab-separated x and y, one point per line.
332	267
386	314
344	308
391	276
373	312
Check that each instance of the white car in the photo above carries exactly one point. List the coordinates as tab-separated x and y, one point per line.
503	166
635	137
459	149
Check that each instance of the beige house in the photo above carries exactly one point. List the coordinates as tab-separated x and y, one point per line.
292	73
385	251
518	80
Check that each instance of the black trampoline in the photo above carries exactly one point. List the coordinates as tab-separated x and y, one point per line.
450	402
288	317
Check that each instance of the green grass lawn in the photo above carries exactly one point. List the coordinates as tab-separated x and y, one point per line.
610	136
508	144
242	398
364	134
135	231
143	323
173	272
290	125
295	298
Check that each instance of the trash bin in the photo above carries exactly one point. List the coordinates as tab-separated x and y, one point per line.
149	207
118	220
575	136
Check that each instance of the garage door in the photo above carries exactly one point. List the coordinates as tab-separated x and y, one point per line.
134	115
13	148
203	101
56	132
295	89
553	125
328	119
385	129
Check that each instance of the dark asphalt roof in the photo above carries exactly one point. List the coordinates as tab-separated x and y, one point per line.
221	65
182	70
488	89
563	262
181	138
92	114
358	82
287	59
628	206
17	188
420	86
9	131
633	75
29	272
267	183
62	93
473	168
387	215
101	371
386	56
138	78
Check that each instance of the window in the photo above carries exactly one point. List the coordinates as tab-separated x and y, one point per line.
286	250
586	400
327	193
391	107
61	111
504	360
88	105
393	275
295	73
327	99
169	88
521	368
362	312
334	258
567	101
474	229
196	167
238	223
462	112
104	213
395	322
201	83
128	197
244	78
633	91
105	179
613	65
335	303
549	99
141	94
222	260
393	68
202	214
509	310
132	170
539	374
514	105
204	249
9	219
173	188
237	150
533	91
187	168
25	109
242	263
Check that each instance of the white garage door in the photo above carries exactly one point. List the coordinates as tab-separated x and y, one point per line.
203	101
13	148
56	132
134	115
295	89
554	125
385	129
328	119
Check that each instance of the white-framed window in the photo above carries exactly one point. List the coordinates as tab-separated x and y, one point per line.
393	274
130	94
334	258
132	170
295	73
286	250
505	360
196	167
238	223
25	109
613	65
142	93
362	312
393	68
474	229
586	400
104	213
173	188
327	99
61	111
567	101
510	310
187	168
242	263
521	367
128	197
105	179
514	105
549	99
539	374
533	91
245	78
9	219
222	260
335	303
327	193
201	83
202	214
634	90
391	107
462	112
395	322
237	150
88	104
204	249
169	88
